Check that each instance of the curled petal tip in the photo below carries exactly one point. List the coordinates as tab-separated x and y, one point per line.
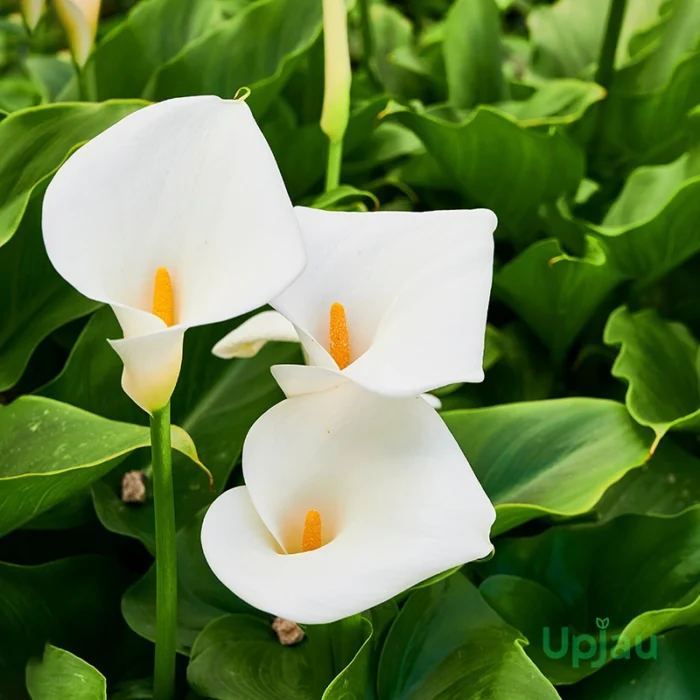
151	366
242	94
252	335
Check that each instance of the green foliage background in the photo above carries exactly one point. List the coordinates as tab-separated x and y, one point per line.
584	434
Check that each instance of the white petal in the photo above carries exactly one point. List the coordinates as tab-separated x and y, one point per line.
188	184
398	501
80	19
251	336
296	380
432	401
415	287
151	365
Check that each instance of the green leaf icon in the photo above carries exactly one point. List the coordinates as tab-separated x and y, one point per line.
602	622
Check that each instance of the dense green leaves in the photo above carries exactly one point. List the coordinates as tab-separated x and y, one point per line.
591	355
548	457
540	167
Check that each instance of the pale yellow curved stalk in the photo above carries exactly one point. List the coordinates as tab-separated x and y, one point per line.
32	11
336	98
79	18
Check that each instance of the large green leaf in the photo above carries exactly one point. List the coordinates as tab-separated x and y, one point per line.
60	675
548	457
666	485
658	359
532	168
239	656
670	675
556	293
228	657
154	32
472	49
34	298
447	644
53	450
239	53
641	573
73	603
35	142
650	229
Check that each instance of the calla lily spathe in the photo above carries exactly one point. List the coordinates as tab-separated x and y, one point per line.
414	288
80	19
187	186
381	484
32	10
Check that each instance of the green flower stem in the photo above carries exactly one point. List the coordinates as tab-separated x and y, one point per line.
606	62
367	41
335	159
166	557
85	85
322	654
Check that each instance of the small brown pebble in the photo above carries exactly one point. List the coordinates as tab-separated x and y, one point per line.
287	632
133	487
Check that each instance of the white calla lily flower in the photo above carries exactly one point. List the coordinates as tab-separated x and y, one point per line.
176	216
394	301
80	19
350	499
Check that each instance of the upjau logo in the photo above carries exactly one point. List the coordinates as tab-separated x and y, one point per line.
585	647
